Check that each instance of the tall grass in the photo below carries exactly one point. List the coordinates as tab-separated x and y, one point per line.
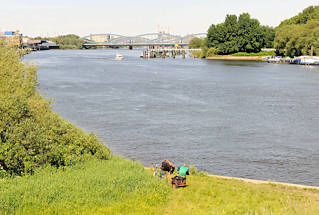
211	195
117	186
120	186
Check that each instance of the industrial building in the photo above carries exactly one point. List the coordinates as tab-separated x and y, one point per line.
39	44
100	38
12	38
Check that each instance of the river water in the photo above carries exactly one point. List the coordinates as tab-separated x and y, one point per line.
243	119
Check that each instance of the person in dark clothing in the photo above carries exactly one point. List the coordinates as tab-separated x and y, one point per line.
167	166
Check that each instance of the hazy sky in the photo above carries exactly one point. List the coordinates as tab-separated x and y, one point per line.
82	17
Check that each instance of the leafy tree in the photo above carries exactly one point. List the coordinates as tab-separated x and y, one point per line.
242	34
296	36
307	14
295	40
196	43
250	35
269	36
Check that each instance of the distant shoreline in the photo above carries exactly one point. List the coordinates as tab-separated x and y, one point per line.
239	58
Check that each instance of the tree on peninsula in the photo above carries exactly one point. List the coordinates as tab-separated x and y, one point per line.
239	34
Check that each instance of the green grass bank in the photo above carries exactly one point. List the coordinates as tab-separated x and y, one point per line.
120	186
116	186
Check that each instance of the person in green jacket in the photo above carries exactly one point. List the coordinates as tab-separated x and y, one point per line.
183	170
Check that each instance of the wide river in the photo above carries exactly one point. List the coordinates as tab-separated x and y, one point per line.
243	119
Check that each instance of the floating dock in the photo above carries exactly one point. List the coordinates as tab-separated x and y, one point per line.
166	52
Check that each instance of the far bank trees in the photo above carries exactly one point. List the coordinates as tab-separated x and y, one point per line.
70	41
196	43
299	35
239	34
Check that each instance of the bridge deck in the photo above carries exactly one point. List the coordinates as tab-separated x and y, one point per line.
132	44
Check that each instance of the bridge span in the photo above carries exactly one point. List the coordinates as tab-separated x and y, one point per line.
150	39
133	44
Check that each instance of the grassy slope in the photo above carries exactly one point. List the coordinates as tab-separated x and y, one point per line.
211	195
117	186
120	186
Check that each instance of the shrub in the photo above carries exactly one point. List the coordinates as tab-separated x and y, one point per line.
196	54
204	52
196	43
211	52
30	133
262	53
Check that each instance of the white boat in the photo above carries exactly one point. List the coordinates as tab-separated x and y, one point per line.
118	57
309	60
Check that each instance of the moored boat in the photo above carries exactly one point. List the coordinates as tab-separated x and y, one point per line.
118	57
308	60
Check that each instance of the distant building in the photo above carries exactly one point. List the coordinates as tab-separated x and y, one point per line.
190	37
12	37
100	38
40	44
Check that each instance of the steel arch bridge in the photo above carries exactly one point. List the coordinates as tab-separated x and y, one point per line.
147	38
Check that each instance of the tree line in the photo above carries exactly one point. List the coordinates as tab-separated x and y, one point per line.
299	34
293	37
70	41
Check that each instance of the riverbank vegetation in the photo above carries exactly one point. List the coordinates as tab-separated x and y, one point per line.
196	43
120	186
238	34
115	186
262	53
70	41
244	36
32	135
299	35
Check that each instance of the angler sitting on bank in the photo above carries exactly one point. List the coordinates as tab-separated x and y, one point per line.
183	170
180	181
167	166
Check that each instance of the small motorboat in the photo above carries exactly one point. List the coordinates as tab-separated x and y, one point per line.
118	57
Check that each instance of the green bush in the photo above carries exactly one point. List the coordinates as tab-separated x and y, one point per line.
196	43
262	53
196	54
204	52
211	52
30	133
